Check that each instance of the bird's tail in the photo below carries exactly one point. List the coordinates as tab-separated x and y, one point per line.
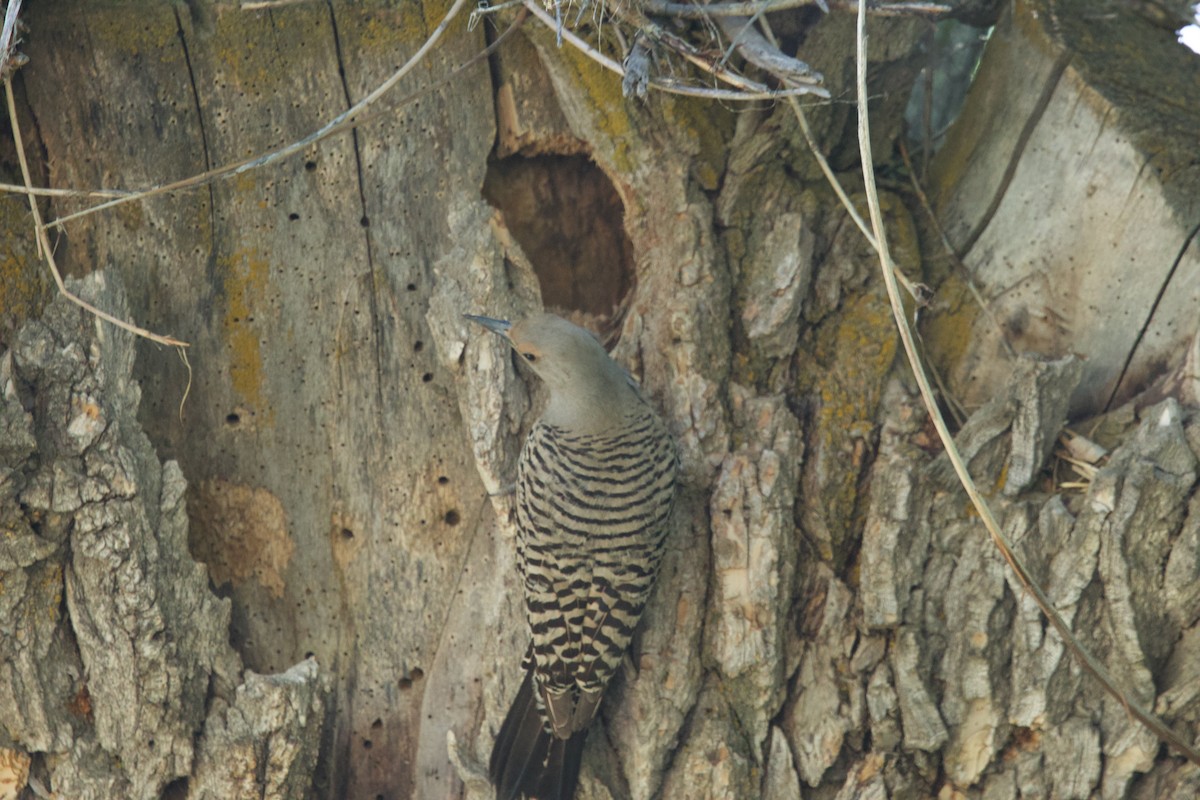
527	760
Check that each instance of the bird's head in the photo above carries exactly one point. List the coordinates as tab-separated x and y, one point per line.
583	380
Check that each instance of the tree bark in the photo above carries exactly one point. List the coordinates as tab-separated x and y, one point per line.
830	621
117	667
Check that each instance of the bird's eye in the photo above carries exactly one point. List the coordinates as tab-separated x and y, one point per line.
530	356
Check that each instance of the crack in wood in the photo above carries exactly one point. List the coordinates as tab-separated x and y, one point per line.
1158	298
372	294
1031	123
208	165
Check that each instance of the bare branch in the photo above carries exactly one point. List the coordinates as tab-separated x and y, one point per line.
691	53
10	59
753	90
39	192
762	54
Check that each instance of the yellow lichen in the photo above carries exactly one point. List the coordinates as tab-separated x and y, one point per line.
710	129
949	330
387	29
846	368
246	276
25	283
52	582
1001	479
604	97
152	33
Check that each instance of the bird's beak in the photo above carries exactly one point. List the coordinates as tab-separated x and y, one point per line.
497	326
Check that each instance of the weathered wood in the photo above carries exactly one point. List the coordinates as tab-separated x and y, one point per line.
1071	188
303	290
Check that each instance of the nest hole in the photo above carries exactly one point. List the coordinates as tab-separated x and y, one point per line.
570	222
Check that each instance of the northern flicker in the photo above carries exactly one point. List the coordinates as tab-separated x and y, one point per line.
595	486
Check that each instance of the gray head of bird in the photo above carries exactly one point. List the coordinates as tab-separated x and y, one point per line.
588	390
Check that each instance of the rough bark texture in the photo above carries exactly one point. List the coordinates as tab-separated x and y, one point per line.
115	652
831	621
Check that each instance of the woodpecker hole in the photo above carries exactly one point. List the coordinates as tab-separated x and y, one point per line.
452	518
175	790
566	215
406	682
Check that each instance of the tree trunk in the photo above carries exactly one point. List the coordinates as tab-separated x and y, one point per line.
830	621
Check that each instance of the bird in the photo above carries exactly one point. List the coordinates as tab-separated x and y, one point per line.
596	483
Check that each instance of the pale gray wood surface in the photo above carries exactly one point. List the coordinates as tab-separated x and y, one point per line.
1073	195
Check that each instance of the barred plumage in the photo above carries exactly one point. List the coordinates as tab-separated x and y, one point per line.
595	486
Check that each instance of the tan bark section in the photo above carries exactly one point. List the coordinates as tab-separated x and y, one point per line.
250	534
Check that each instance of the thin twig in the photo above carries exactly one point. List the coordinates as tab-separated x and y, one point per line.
483	9
713	66
788	70
1089	663
919	292
731	9
346	119
187	389
676	86
43	241
956	408
665	84
34	190
259	5
967	277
